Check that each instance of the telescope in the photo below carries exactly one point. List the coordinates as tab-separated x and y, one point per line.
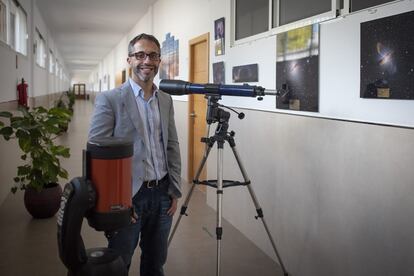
179	87
103	196
215	114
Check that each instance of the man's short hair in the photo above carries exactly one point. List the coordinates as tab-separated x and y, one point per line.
139	37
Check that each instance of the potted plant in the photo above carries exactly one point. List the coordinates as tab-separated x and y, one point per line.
71	97
65	101
36	131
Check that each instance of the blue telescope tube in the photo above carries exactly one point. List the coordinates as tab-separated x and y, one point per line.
179	87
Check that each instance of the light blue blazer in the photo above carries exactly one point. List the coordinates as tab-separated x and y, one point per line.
116	114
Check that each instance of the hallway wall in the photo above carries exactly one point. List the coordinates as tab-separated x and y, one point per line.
338	196
40	81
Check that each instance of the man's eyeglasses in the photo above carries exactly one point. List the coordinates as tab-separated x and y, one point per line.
154	56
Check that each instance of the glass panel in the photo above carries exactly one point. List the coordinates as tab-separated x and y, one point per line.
357	5
22	32
12	33
40	50
252	17
3	22
51	62
294	10
275	14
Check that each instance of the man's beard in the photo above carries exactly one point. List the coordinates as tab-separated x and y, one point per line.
145	78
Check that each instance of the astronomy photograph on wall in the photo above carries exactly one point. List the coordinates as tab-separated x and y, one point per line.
219	73
219	36
387	57
246	73
169	57
297	69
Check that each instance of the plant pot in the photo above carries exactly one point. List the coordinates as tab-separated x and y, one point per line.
43	204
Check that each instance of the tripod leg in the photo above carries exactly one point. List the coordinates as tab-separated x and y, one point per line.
219	229
188	197
257	206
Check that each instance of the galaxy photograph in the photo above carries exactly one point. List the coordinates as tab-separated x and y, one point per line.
387	58
297	69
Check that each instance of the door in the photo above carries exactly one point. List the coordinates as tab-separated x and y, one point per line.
119	79
199	73
80	90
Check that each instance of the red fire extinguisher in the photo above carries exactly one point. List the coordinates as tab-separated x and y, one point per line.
22	93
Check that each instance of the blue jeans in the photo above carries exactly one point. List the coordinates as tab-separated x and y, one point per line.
153	224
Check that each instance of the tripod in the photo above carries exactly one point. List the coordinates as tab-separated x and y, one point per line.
216	114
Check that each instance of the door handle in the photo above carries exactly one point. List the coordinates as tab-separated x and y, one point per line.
193	115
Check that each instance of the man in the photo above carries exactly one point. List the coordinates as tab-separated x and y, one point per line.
139	111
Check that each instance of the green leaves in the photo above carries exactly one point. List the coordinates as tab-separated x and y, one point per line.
6	132
60	151
24	140
5	114
23	170
35	131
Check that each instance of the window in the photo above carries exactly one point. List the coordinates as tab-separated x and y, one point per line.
17	28
3	22
294	10
21	31
12	31
51	62
252	17
40	49
57	67
357	5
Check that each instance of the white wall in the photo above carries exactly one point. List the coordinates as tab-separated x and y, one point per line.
337	196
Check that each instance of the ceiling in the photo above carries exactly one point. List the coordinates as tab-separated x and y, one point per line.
85	31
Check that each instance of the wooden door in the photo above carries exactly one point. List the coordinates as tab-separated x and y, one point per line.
118	79
199	73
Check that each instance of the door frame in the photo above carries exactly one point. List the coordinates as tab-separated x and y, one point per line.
204	37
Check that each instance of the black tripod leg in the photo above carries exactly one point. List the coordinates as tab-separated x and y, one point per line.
257	206
219	229
188	197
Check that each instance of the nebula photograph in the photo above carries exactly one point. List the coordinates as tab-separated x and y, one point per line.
387	57
219	73
246	73
297	69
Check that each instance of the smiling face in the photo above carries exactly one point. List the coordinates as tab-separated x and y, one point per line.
144	70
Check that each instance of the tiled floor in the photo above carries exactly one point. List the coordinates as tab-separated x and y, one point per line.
29	247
